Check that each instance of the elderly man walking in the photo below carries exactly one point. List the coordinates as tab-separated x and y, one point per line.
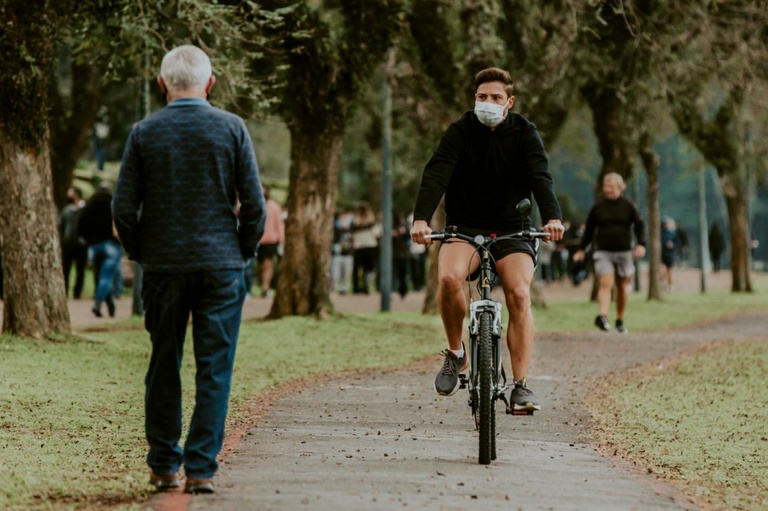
183	171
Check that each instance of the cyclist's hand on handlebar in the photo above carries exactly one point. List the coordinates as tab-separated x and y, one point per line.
555	229
419	230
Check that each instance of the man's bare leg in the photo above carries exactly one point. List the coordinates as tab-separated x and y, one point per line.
456	261
516	273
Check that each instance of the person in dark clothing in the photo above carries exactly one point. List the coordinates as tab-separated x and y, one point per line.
400	254
486	163
1	270
73	248
670	248
183	171
95	227
716	245
609	227
577	272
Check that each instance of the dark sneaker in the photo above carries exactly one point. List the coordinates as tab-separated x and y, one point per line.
522	398
447	380
620	326
601	322
199	486
165	482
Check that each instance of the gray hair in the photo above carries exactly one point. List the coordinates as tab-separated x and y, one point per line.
616	178
186	68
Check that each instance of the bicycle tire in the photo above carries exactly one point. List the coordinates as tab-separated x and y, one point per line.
485	368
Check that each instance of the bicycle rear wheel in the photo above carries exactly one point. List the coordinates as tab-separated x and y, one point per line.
487	417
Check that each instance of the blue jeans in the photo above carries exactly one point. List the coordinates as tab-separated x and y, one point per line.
215	301
106	257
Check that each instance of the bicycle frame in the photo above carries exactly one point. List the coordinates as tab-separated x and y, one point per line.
485	304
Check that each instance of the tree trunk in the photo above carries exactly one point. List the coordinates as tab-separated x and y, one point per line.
303	284
715	140
606	107
736	203
651	163
35	303
70	126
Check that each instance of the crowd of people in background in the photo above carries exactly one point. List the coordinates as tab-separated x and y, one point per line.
356	247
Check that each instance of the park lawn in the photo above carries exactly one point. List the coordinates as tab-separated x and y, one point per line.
71	419
71	413
699	422
674	310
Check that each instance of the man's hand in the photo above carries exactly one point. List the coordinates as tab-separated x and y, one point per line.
578	256
419	230
639	251
555	229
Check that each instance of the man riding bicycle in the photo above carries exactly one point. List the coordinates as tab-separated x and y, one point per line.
488	161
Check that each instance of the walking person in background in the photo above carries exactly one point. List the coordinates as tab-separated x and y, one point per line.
100	135
609	227
670	246
400	254
271	243
183	171
73	248
716	245
95	227
341	257
365	248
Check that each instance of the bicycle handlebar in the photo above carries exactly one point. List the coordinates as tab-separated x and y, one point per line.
483	241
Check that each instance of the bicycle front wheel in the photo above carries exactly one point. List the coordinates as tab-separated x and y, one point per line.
487	417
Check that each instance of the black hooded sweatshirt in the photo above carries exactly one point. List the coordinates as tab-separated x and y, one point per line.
484	173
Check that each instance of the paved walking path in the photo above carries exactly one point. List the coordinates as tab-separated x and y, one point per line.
383	440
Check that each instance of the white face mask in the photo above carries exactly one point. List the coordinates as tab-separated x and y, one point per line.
489	114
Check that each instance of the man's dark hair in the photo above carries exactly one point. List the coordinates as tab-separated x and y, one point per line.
494	74
78	192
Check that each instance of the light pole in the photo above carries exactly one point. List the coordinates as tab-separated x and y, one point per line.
703	233
385	263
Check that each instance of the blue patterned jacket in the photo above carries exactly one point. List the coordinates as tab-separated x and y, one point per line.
175	203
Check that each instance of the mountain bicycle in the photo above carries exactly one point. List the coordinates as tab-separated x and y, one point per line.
487	381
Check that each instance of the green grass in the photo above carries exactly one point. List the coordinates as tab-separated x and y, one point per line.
673	311
700	423
71	416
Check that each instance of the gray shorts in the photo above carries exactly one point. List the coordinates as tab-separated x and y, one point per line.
621	263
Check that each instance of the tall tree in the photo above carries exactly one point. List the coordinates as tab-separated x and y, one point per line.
35	302
326	59
728	53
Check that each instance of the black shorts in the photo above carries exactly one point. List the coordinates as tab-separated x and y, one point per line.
503	248
268	251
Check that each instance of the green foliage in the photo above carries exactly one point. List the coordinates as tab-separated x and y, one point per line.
129	39
327	56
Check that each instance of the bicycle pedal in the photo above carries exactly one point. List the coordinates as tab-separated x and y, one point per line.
512	411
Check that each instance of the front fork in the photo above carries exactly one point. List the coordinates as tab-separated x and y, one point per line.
476	308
